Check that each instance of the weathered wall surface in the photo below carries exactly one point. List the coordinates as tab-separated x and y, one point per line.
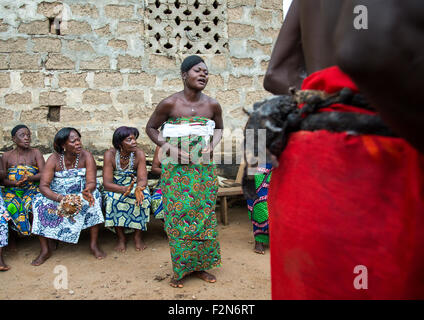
97	65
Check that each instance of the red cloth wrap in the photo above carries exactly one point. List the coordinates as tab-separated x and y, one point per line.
338	201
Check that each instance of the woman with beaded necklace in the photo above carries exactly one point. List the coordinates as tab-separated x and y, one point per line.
127	197
69	201
189	182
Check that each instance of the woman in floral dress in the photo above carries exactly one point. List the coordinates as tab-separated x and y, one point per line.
69	201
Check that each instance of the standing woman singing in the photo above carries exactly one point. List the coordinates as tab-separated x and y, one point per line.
189	182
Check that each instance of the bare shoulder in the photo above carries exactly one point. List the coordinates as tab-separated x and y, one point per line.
36	152
53	158
211	101
214	106
139	154
109	154
165	107
85	154
7	154
169	101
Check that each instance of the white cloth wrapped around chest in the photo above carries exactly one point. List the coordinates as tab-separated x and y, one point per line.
188	129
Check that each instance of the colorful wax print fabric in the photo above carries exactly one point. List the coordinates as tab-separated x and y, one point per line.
4	227
258	208
18	200
50	225
157	204
122	211
189	197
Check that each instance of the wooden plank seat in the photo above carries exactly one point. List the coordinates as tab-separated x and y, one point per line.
232	189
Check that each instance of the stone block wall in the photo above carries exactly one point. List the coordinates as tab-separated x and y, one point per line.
97	65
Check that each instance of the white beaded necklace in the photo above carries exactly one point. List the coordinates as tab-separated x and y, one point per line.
62	162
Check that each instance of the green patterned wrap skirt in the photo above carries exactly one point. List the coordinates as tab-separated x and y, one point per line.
189	198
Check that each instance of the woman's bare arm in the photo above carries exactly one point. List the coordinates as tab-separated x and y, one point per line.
2	172
47	177
219	124
159	116
91	171
6	181
40	164
156	164
141	169
108	184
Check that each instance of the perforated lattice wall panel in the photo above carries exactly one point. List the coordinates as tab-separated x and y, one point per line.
186	26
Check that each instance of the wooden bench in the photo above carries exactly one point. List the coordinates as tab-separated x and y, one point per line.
234	189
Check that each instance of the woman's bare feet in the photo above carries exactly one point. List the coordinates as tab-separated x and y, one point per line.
45	251
205	276
138	241
121	245
259	247
3	266
97	252
42	257
94	247
176	283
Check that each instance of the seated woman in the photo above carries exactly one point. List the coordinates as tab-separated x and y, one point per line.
69	201
4	227
4	233
23	166
157	202
127	197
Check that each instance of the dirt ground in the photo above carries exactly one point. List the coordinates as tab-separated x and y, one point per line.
133	275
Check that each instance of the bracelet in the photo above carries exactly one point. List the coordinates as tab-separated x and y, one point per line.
57	198
138	187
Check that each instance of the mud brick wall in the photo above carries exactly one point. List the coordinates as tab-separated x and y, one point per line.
97	65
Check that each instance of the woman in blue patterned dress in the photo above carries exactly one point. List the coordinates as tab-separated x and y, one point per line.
69	201
4	228
127	197
157	201
4	233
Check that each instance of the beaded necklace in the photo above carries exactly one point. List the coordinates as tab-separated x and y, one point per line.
62	162
130	164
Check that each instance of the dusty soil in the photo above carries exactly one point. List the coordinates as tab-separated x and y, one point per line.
145	275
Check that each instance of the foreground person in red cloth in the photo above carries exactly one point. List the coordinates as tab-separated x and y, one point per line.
347	206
